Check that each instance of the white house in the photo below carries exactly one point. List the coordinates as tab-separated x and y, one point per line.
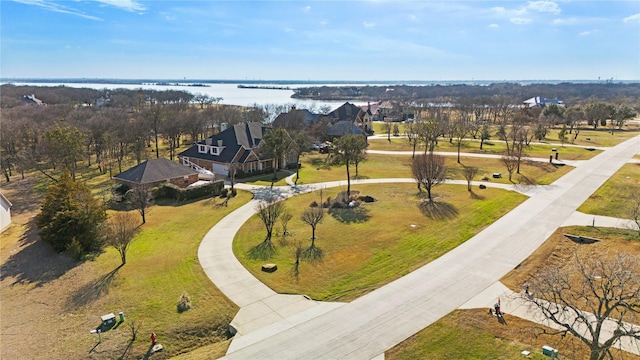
5	212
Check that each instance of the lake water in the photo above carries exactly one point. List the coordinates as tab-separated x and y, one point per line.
230	93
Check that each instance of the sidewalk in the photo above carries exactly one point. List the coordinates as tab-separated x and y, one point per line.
368	326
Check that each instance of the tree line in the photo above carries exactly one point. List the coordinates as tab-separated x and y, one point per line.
106	128
570	93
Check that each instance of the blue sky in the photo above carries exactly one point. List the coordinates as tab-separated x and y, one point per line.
321	40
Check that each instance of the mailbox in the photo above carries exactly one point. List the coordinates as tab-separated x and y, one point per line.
108	321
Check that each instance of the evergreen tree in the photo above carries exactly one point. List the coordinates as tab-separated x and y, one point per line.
69	213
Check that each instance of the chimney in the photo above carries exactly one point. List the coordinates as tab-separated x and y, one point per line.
208	141
223	127
219	143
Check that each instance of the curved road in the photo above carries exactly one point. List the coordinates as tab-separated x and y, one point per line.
296	327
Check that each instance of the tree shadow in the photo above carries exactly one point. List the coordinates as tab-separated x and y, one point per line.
476	196
523	179
350	215
36	262
312	254
93	290
263	251
438	210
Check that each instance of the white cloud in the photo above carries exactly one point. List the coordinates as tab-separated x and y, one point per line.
323	22
544	6
567	21
632	18
585	33
369	25
520	21
128	5
51	6
307	9
412	17
493	26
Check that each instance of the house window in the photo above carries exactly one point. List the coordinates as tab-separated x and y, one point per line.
214	150
202	149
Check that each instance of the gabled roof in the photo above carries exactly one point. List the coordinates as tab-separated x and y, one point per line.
155	170
346	112
345	127
236	140
296	119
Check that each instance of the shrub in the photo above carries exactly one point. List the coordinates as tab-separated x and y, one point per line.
184	303
366	199
327	203
120	189
313	204
337	205
75	249
174	192
223	193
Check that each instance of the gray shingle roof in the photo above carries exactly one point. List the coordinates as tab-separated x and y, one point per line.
239	138
155	170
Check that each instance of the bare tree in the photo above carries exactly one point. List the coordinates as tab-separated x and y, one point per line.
510	161
138	198
284	222
121	229
429	170
594	292
634	209
276	143
412	136
484	134
268	212
469	173
349	149
313	216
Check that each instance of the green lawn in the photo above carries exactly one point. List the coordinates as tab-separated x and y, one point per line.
314	169
611	199
495	147
469	334
375	243
162	265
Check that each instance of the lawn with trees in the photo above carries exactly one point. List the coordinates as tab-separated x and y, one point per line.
162	287
374	243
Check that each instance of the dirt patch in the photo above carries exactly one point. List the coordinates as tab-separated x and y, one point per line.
558	251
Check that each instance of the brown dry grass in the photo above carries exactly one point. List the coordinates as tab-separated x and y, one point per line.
50	302
474	334
558	250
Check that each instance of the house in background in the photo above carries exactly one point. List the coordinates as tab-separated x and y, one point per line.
156	172
238	145
314	125
351	113
32	99
541	102
5	212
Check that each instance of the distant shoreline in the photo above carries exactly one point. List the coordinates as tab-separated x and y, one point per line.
200	82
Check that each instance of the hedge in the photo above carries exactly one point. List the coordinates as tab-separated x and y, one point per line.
174	192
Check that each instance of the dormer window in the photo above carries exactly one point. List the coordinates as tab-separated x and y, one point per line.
202	148
214	150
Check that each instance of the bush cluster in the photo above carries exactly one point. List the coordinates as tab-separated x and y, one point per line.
174	192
